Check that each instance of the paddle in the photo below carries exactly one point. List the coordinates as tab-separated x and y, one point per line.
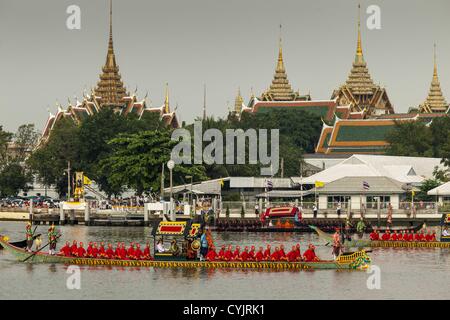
34	253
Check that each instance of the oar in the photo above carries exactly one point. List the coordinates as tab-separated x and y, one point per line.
34	253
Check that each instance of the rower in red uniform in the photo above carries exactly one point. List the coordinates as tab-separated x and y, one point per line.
292	255
101	250
123	251
146	254
310	254
406	235
422	236
275	256
259	256
374	236
267	253
237	253
211	255
251	254
416	236
244	254
411	236
138	252
89	250
394	236
298	254
74	248
94	250
228	256
109	252
282	253
386	236
221	254
433	236
117	251
81	252
130	251
65	251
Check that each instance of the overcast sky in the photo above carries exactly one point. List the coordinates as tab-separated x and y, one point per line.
225	44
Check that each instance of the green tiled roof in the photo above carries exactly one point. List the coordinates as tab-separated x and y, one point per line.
316	110
363	133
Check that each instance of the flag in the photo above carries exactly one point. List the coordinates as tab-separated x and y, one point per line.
86	180
319	184
366	185
221	183
413	193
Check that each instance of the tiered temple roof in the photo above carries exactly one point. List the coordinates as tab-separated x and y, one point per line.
110	88
435	101
359	90
110	93
280	89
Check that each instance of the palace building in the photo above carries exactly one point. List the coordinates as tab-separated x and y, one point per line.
110	92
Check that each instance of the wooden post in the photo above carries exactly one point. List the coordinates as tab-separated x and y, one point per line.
31	210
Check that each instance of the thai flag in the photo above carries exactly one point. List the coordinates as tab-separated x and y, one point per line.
366	185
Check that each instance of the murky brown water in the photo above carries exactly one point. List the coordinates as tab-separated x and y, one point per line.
405	273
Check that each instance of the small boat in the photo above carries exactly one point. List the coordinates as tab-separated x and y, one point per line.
355	261
365	243
21	244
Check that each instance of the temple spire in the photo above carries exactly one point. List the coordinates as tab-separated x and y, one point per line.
280	89
166	100
238	102
280	63
110	88
435	101
359	52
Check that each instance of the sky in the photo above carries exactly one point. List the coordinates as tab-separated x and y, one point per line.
223	44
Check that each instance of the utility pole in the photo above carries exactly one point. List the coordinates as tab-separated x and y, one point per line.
68	181
162	182
282	167
301	184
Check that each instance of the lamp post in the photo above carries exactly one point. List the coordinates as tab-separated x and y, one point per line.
171	165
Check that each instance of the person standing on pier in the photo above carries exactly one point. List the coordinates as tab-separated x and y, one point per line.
314	211
338	209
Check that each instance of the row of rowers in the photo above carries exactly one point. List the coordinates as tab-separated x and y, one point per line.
227	254
93	250
404	236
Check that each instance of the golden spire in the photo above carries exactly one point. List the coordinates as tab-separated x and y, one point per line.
166	100
110	88
435	101
435	62
280	89
359	52
238	102
280	64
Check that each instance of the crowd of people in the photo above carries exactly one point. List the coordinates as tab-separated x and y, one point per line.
94	250
251	254
403	236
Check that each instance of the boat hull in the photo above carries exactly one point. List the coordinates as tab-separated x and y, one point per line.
383	244
358	260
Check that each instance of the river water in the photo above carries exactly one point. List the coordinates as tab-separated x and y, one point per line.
404	273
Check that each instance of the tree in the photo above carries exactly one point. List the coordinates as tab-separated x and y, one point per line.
50	161
25	139
5	138
137	158
13	178
426	186
410	138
